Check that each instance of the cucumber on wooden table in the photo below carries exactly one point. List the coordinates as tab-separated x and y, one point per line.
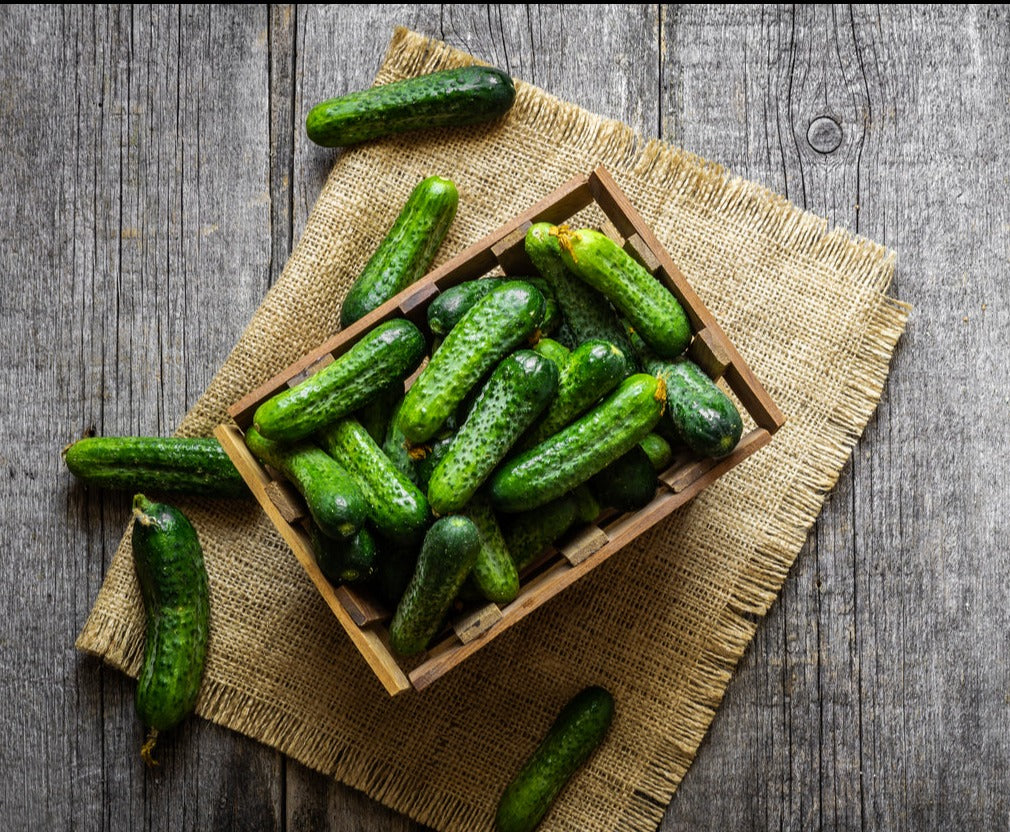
449	98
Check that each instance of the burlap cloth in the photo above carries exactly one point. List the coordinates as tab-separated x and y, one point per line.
661	624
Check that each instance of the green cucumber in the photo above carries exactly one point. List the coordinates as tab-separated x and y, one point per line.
654	313
494	572
587	314
396	508
377	413
528	533
395	446
389	352
332	496
628	483
518	390
658	450
704	417
447	555
490	330
450	98
428	456
572	456
576	733
558	353
173	585
446	310
593	370
407	250
344	561
171	464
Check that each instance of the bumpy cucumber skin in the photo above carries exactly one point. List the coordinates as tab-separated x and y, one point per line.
528	533
445	311
390	352
169	464
494	572
344	561
594	368
704	417
658	450
655	314
491	329
397	508
587	446
450	98
587	314
173	584
406	251
576	733
518	390
332	496
447	555
628	483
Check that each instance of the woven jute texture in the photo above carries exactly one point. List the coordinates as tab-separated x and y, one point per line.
663	623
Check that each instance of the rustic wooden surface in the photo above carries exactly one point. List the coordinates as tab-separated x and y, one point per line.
155	174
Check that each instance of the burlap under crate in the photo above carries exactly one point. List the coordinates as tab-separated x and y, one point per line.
663	624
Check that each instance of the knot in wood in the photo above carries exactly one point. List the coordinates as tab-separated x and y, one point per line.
824	134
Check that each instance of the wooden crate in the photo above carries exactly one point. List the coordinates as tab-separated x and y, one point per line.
361	615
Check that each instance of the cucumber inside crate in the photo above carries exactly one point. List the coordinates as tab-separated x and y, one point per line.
585	547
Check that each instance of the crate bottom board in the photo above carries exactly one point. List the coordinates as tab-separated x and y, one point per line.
581	552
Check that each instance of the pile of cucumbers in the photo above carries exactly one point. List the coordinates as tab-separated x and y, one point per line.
544	399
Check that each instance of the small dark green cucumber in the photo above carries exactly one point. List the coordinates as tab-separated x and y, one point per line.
407	250
558	353
171	464
396	507
344	561
377	413
573	455
628	483
447	555
649	307
528	533
490	330
332	496
173	585
658	450
389	352
704	417
576	733
446	310
518	390
450	98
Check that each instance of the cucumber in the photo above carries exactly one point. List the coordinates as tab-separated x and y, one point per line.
396	508
450	98
628	483
173	464
594	368
389	352
491	329
173	584
576	733
407	250
494	571
447	555
428	456
654	313
528	533
658	450
587	314
558	353
704	417
446	310
395	447
344	561
377	413
332	496
571	457
518	390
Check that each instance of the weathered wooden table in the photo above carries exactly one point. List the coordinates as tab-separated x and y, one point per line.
155	174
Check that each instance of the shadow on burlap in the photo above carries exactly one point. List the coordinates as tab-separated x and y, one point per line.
661	624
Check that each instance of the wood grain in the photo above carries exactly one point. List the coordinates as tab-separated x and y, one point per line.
156	174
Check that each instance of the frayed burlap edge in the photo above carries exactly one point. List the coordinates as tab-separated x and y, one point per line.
656	165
